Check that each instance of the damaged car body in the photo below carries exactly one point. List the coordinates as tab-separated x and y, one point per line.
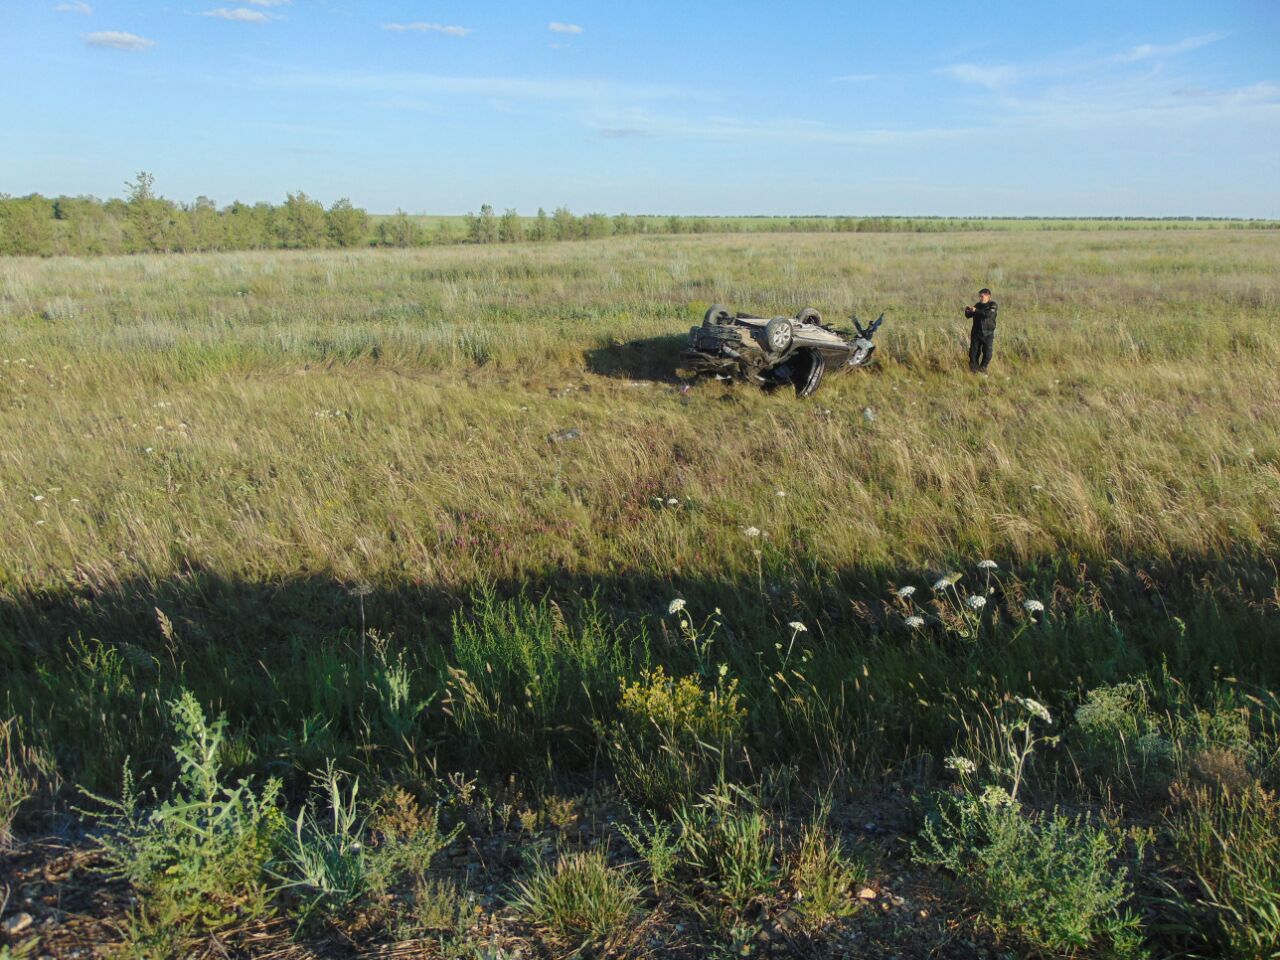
771	352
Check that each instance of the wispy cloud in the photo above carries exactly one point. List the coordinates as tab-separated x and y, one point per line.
118	40
76	6
497	87
1148	105
1159	51
269	3
1120	91
636	122
556	27
855	77
991	76
447	29
241	15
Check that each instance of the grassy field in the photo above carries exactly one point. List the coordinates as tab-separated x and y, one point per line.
496	612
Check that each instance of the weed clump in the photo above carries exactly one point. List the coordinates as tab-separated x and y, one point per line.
1050	879
673	736
200	859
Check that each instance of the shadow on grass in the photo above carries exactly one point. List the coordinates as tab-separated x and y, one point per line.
655	359
304	665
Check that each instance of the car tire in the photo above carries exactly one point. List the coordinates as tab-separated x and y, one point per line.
778	334
809	315
716	315
808	384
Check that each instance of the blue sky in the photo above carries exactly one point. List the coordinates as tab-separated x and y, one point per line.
1130	107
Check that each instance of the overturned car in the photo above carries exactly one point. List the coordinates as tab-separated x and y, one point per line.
771	352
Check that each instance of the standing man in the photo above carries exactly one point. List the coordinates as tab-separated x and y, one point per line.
983	334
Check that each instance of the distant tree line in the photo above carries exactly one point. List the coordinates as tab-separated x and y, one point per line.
144	222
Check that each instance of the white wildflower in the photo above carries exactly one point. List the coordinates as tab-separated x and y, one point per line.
914	622
798	627
150	450
672	502
942	584
675	606
1033	606
988	565
996	797
751	532
961	765
904	592
38	497
781	493
976	602
1035	708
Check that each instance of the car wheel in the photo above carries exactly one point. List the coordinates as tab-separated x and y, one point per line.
778	334
809	315
717	314
807	381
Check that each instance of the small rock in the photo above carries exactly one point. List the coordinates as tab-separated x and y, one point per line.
563	436
17	923
866	893
869	415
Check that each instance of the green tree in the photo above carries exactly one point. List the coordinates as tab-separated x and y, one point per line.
541	229
564	225
149	215
399	231
348	225
482	228
302	224
510	227
26	226
208	231
595	226
249	227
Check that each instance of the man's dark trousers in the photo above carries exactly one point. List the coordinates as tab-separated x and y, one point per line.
980	345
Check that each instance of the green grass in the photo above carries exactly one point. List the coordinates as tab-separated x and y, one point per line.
332	495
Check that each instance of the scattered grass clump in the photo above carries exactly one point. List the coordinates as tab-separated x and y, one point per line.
1228	837
580	900
730	844
527	681
17	784
824	876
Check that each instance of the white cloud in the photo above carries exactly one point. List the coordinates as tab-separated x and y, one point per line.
76	6
448	30
556	27
507	88
269	3
1157	51
240	15
993	77
117	40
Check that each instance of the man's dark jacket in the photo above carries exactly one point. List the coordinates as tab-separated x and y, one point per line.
984	318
